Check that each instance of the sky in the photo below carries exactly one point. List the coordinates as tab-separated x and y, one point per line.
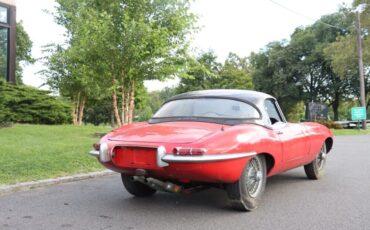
238	26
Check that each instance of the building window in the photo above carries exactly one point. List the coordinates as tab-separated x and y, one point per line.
3	53
3	15
7	40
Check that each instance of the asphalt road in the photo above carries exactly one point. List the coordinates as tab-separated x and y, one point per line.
340	200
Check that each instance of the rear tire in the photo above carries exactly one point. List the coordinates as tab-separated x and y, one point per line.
136	188
316	169
246	193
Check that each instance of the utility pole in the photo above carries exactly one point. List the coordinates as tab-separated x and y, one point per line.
360	65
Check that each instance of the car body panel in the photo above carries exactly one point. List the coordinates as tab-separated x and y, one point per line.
171	132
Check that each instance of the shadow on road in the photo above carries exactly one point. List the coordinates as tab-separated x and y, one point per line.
212	199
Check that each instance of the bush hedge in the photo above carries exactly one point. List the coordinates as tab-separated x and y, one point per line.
24	104
330	124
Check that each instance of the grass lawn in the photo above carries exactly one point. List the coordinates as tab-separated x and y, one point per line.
349	132
33	152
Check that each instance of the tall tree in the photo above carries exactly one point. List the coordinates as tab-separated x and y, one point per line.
205	72
272	73
71	75
234	74
343	52
23	51
200	74
130	41
299	70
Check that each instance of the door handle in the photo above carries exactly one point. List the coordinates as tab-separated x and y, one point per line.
279	132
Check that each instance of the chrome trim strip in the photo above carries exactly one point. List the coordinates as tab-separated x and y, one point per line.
207	158
94	153
132	145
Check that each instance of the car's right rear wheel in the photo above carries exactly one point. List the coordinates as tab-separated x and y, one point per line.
136	188
246	193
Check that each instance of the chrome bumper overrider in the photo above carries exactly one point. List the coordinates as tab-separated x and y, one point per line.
163	159
94	153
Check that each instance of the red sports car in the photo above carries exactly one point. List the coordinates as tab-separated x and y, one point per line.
230	139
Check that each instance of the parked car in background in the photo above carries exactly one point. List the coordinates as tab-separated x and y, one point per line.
229	139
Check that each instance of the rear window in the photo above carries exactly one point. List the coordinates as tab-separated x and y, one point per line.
208	108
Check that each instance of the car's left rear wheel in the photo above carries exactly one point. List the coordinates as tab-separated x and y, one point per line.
136	188
246	193
316	169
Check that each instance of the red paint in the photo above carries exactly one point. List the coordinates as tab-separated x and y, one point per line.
290	146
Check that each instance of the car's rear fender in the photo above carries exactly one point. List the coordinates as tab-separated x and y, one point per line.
318	135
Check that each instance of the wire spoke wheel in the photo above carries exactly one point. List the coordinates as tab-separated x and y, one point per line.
321	158
246	193
253	179
316	168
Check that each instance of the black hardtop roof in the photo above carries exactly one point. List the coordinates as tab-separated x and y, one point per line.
244	95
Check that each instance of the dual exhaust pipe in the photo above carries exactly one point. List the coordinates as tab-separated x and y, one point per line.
158	185
155	183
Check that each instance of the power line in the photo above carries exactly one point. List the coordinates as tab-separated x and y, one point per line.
304	16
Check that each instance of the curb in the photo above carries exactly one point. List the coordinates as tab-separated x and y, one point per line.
24	186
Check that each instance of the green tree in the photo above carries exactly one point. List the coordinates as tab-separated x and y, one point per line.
128	42
69	74
272	73
23	51
234	74
298	70
343	52
157	98
205	72
200	73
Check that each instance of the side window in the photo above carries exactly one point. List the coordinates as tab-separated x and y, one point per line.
272	111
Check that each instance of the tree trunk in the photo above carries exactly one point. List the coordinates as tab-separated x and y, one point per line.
74	114
114	100
81	108
131	103
122	101
127	97
311	88
335	106
75	102
112	120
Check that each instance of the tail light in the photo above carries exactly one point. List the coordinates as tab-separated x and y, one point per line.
189	151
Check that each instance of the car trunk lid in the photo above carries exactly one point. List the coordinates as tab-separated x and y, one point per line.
171	132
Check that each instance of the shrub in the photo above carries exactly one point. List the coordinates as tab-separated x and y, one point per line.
330	124
24	104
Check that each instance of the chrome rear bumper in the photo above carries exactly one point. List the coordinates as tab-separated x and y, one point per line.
207	158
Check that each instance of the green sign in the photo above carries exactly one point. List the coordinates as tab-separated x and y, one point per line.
358	113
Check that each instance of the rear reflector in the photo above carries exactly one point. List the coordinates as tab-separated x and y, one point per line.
189	151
